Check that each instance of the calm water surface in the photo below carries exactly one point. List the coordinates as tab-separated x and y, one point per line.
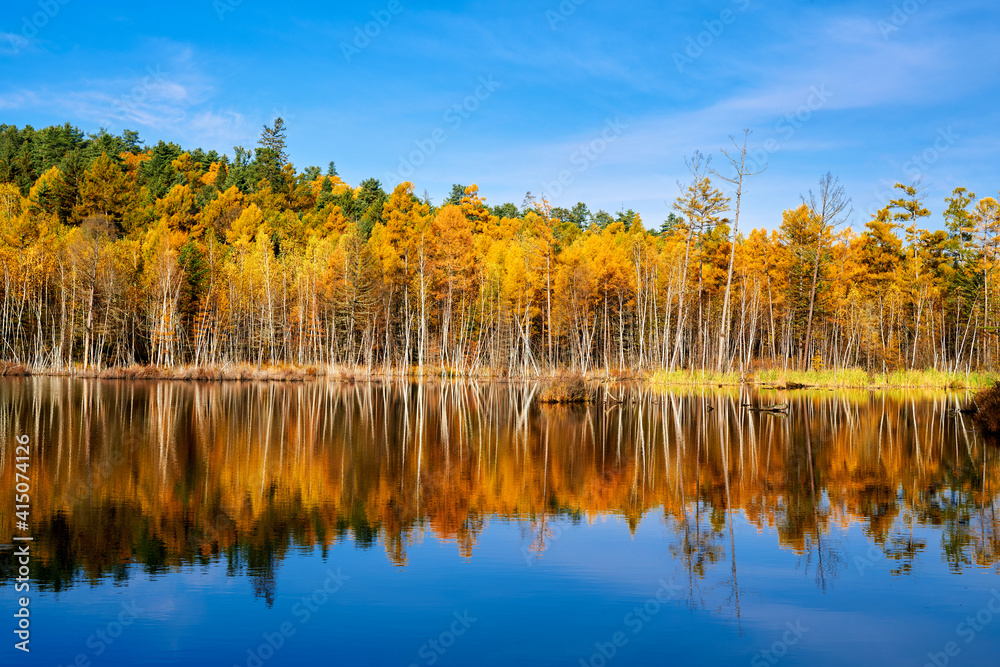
464	524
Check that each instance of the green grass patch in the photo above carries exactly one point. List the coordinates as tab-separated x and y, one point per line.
841	377
936	379
685	377
854	378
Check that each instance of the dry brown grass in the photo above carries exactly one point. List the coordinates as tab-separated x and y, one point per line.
564	389
227	373
987	415
13	370
125	373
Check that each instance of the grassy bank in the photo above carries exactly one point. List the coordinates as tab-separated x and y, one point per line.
842	378
695	377
853	378
206	373
277	373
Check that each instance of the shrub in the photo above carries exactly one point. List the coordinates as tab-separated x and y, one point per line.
568	389
987	415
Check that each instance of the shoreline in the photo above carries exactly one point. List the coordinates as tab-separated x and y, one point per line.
768	378
845	378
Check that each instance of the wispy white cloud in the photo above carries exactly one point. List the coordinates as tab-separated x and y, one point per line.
11	44
885	93
18	99
802	94
172	97
228	127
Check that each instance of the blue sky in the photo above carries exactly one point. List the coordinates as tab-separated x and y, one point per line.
607	98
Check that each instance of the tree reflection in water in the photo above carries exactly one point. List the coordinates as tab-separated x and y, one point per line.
161	475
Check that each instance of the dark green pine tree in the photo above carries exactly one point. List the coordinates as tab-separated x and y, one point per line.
67	187
271	155
457	192
242	173
507	210
325	194
158	173
602	219
368	202
671	223
54	143
192	261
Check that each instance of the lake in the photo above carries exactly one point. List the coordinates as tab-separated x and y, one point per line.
460	523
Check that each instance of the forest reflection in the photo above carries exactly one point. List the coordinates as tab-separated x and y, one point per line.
162	475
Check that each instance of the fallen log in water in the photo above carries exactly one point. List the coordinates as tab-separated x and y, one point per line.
783	407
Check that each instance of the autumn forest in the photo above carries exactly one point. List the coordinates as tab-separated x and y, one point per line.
114	254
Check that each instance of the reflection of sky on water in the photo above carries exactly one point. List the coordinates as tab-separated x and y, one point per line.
551	527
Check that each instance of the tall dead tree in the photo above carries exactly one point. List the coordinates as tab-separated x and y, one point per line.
738	160
829	207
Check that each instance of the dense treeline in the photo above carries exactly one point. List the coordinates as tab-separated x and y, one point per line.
113	253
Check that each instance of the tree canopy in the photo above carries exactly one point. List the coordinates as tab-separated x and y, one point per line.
117	252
